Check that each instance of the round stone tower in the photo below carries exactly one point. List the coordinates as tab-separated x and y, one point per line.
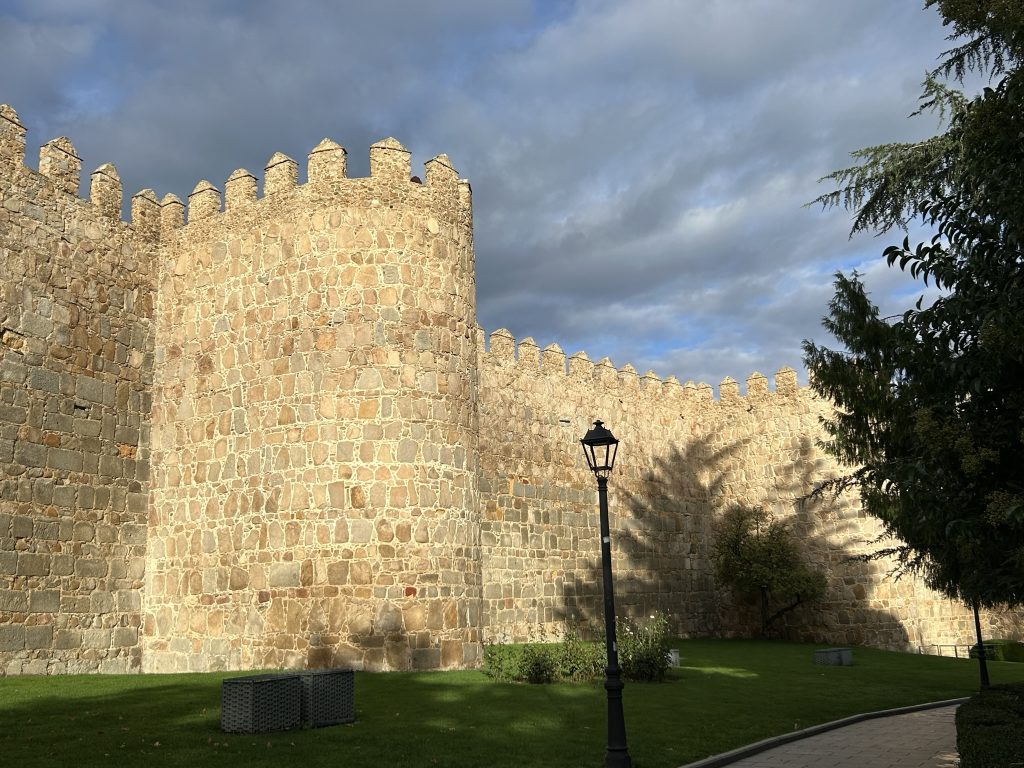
314	422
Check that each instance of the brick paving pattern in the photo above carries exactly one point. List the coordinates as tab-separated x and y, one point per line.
925	739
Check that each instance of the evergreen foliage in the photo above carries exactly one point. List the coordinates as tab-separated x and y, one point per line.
757	558
930	406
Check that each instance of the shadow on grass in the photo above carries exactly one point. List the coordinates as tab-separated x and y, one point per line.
730	693
403	719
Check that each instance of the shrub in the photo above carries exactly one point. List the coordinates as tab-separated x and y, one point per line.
503	662
579	660
573	659
643	655
538	664
990	728
643	651
1000	650
759	559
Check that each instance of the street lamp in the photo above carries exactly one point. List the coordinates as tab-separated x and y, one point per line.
600	446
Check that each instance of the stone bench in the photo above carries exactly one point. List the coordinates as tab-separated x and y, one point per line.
281	701
834	657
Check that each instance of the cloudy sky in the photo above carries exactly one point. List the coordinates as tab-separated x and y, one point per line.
639	167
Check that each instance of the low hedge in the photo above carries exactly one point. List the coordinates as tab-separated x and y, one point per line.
1000	650
990	728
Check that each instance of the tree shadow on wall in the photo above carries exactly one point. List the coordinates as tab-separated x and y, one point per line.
661	527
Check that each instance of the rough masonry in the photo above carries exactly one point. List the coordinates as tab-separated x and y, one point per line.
271	434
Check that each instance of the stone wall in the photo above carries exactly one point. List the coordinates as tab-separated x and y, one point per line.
342	472
314	422
684	457
76	299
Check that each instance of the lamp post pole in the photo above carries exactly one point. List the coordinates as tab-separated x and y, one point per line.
617	755
600	448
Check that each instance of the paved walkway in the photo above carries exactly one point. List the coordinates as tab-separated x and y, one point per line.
923	739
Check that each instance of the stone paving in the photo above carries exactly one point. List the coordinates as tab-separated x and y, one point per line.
924	739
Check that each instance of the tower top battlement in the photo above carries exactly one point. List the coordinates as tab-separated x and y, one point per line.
326	172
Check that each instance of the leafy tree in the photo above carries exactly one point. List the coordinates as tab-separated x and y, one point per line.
930	405
756	557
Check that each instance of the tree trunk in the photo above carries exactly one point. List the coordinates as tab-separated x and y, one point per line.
982	663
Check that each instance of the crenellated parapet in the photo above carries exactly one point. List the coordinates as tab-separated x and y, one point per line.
326	178
390	182
59	178
553	366
12	141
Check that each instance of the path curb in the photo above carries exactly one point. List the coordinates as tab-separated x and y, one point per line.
726	758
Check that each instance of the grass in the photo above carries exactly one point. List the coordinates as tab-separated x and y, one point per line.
726	694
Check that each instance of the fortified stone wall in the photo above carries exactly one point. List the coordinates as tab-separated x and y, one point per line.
314	422
76	303
343	473
684	457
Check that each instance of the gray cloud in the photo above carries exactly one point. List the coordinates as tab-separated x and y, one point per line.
639	168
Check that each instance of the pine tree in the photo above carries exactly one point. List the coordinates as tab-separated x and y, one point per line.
930	407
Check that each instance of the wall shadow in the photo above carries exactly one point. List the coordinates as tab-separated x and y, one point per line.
662	536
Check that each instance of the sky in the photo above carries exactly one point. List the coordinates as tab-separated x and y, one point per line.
640	168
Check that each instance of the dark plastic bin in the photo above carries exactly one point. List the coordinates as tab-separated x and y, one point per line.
327	697
261	703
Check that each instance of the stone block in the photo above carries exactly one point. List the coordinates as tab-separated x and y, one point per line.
42	490
360	531
44	601
389	618
337	572
239	578
33	564
96	638
84	531
36	325
38	637
101	602
284	575
451	653
13	414
125	637
91	567
128	600
62	458
90	389
12	637
426	658
13	600
138	504
22	527
29	454
8	562
65	496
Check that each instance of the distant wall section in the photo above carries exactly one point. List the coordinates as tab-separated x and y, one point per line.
684	457
76	299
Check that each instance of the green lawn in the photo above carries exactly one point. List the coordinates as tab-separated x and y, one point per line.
727	693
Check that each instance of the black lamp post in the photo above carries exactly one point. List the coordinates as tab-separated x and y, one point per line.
600	446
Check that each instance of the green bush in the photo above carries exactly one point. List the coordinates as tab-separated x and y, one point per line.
579	660
538	664
990	728
643	650
1000	650
503	661
643	655
573	660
